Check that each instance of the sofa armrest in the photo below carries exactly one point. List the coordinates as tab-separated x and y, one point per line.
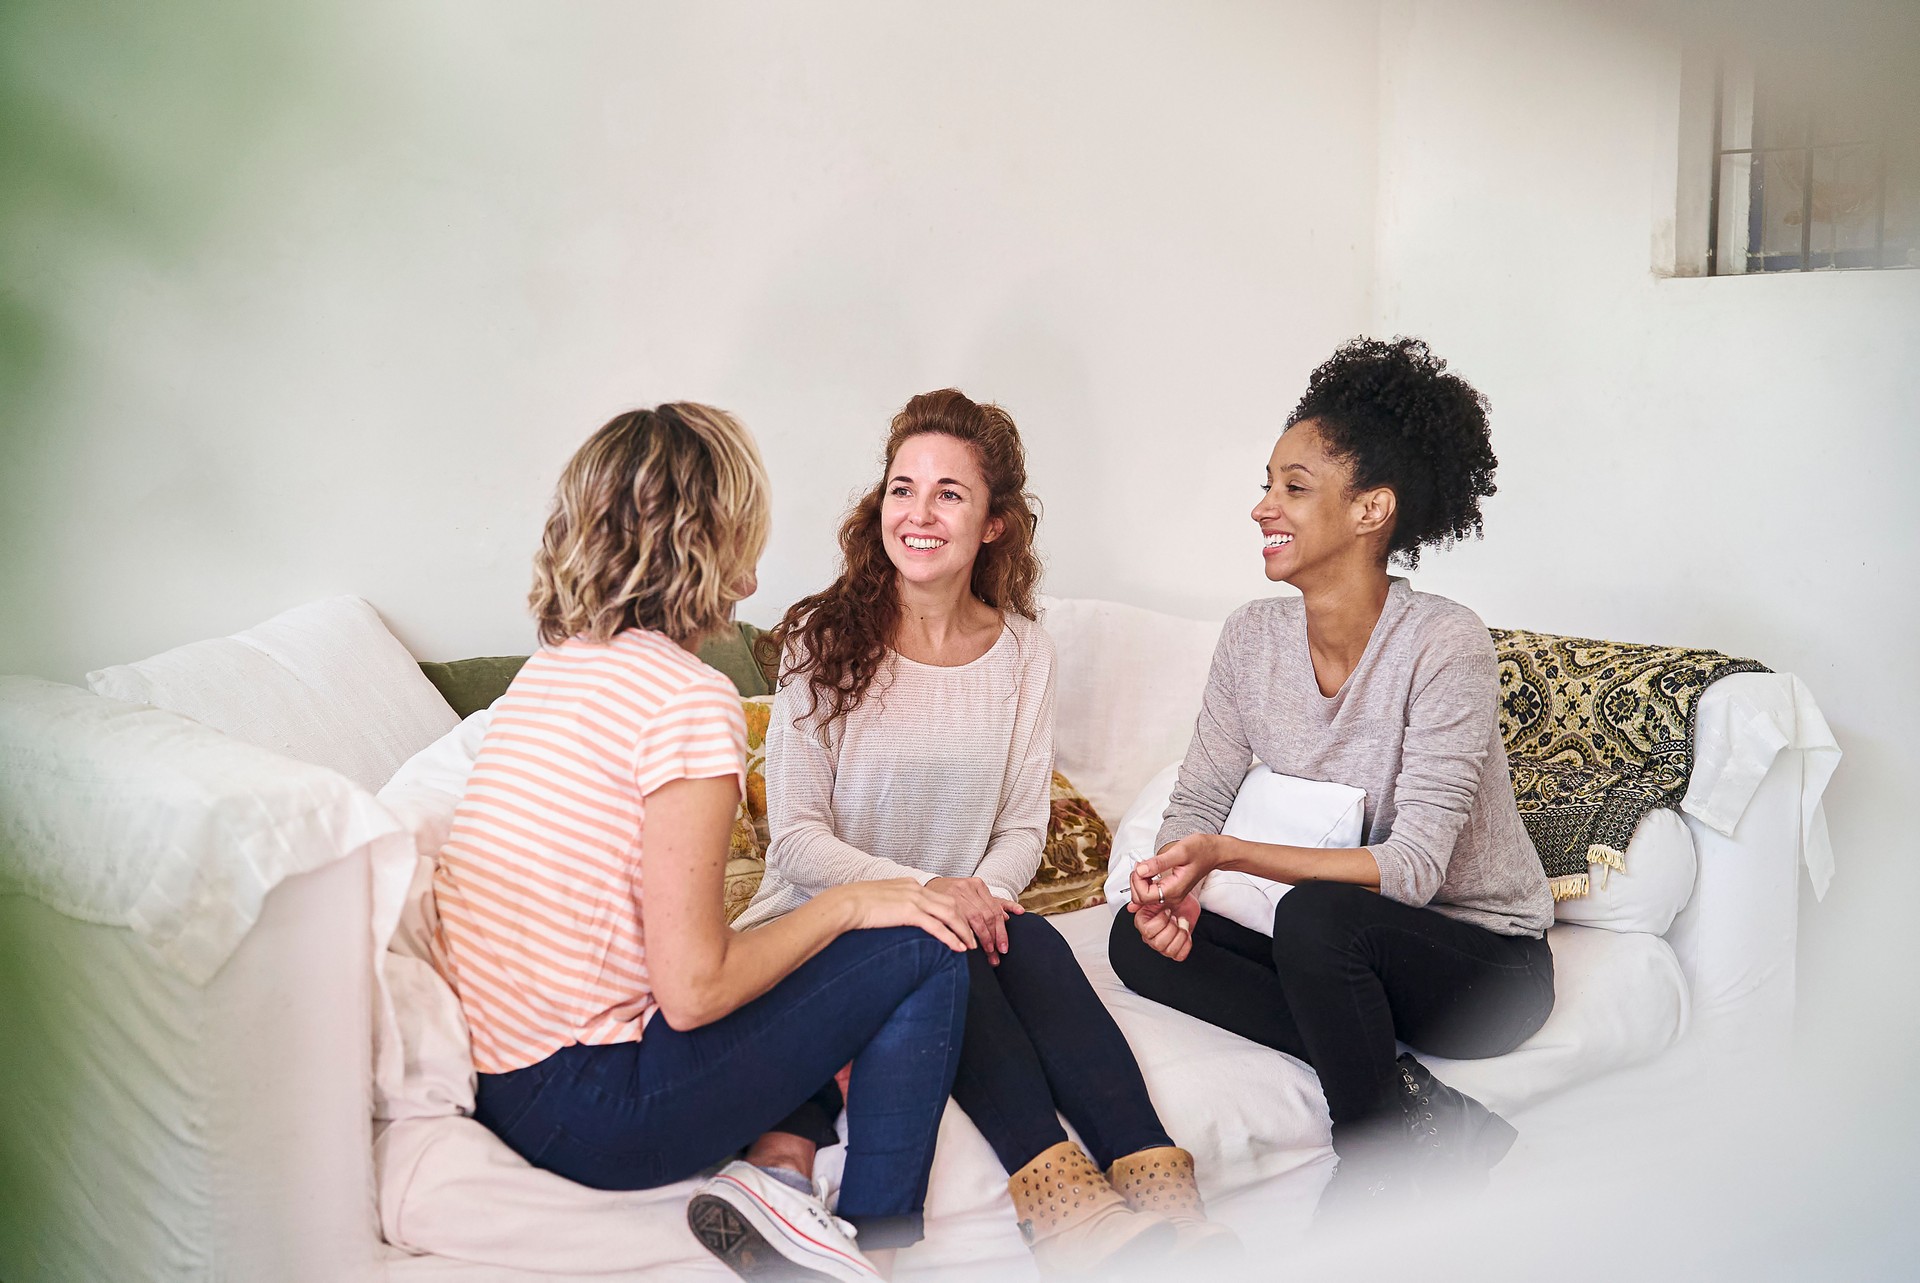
1763	755
156	1128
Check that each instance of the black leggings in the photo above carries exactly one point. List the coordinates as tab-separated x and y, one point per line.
1038	1040
1346	972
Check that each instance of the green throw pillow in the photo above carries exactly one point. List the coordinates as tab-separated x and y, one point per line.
469	685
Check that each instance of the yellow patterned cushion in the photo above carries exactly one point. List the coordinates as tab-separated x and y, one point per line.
747	847
1073	864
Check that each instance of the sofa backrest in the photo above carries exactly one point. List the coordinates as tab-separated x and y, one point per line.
1126	691
324	683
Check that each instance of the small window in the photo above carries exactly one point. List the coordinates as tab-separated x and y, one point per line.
1809	178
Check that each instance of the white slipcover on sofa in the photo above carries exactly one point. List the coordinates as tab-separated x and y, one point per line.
201	1019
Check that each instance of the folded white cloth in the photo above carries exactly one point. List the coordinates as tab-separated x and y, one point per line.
1741	725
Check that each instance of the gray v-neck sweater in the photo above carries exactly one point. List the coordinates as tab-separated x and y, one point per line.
1416	726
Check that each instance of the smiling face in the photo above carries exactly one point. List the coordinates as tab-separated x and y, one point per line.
936	511
1310	518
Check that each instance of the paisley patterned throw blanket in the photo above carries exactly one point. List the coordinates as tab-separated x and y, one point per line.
1598	734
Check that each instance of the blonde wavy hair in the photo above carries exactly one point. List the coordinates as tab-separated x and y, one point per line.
658	522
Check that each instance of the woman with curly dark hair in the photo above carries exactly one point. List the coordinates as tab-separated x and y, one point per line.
1433	932
912	736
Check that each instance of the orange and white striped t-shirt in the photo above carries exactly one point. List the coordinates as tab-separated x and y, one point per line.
542	925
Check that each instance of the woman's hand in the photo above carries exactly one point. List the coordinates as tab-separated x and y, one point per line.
902	902
985	912
1168	928
1174	872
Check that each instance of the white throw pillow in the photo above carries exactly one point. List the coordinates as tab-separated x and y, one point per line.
438	1078
1270	807
1651	891
325	683
425	790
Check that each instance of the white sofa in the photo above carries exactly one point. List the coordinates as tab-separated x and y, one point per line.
198	1006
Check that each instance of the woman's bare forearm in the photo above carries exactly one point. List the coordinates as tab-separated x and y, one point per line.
1296	864
748	963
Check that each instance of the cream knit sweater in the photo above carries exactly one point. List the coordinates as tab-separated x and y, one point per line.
941	772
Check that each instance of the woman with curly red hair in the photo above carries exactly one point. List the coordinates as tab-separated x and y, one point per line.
912	736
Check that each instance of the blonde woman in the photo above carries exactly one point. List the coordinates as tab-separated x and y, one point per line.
624	1036
912	736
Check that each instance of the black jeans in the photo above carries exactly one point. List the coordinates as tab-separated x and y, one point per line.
1346	972
1038	1038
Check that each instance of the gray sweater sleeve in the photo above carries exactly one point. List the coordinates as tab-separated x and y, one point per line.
1218	755
1450	724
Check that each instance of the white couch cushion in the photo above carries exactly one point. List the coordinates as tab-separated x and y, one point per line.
1650	891
324	683
1619	999
1127	688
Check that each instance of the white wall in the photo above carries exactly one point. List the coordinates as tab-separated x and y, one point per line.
353	281
1724	463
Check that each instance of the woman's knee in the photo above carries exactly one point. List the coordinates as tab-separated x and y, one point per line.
928	958
1316	920
1030	936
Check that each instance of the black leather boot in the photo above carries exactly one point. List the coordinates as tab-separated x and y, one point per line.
1439	1143
1457	1139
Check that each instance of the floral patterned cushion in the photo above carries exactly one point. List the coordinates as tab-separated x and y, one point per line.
1073	864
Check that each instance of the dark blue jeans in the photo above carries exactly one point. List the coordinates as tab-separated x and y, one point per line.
640	1114
1038	1039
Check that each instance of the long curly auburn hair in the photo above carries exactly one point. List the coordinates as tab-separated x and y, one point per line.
838	639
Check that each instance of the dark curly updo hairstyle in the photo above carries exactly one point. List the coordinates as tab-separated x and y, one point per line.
1394	414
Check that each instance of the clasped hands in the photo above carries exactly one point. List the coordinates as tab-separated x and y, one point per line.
1163	893
984	911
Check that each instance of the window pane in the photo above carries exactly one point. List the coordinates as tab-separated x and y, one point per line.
1845	118
1903	206
1846	206
1779	112
1782	194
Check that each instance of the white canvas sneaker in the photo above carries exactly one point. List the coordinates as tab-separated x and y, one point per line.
763	1229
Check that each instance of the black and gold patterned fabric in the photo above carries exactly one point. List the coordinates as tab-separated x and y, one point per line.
1598	734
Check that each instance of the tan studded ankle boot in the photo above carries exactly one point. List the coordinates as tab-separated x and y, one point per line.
1075	1222
1160	1180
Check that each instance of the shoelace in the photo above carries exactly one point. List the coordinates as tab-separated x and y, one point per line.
818	1210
